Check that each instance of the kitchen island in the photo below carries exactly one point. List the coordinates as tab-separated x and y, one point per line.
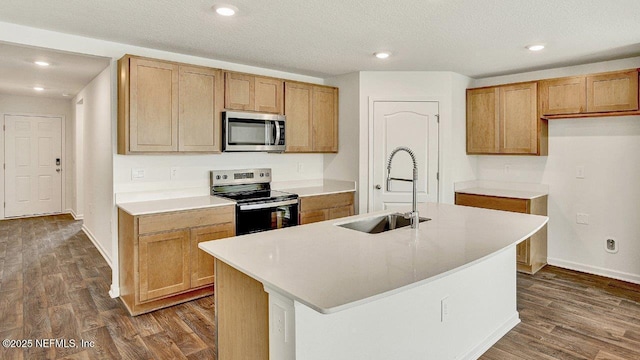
321	291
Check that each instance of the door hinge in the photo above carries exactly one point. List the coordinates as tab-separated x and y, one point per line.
438	176
438	118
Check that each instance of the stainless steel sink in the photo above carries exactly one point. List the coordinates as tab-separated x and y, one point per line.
378	224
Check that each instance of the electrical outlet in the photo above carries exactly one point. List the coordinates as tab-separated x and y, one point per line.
507	168
300	168
444	309
174	173
137	174
580	172
582	218
611	245
279	323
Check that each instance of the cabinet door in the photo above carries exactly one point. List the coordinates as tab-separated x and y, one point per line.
518	119
153	106
325	119
269	95
563	96
199	109
201	262
163	264
297	108
612	92
239	91
482	121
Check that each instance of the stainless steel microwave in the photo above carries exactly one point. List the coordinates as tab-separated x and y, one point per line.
247	131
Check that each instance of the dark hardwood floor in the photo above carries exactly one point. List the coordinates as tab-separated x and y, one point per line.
54	285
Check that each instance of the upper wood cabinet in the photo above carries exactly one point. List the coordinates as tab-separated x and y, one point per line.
612	91
563	96
167	107
200	99
589	95
312	117
504	120
253	93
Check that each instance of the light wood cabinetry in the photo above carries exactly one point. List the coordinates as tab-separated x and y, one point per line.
312	117
531	254
563	96
326	207
616	91
504	120
604	94
166	107
160	262
200	103
253	93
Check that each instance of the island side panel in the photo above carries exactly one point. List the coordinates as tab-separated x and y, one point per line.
242	315
481	308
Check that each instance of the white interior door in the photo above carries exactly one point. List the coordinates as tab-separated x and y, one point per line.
33	171
413	124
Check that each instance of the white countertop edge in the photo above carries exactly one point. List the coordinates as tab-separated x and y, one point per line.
372	298
315	187
174	204
502	189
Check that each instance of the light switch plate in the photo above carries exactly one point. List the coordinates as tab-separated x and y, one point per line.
582	218
580	172
137	174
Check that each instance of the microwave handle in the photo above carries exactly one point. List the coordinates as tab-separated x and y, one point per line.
277	133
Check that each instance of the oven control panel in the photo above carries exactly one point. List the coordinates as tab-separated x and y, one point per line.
237	177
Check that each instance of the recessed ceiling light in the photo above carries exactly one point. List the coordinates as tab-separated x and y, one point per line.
38	88
382	54
535	47
225	10
41	63
65	94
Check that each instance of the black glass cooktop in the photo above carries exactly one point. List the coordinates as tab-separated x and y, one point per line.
258	195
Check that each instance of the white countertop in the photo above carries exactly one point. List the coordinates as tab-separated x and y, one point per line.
177	204
507	193
330	268
325	187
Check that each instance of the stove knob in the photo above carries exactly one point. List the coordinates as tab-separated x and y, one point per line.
224	177
217	177
261	174
266	174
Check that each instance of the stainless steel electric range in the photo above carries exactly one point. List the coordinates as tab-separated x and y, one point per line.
258	208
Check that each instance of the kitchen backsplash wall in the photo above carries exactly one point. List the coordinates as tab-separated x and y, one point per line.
161	172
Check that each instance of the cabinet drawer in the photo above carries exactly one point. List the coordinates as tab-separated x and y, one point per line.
492	202
340	212
185	219
308	217
326	201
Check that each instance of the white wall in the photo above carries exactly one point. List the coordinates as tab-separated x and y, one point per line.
343	165
36	105
97	170
609	150
445	87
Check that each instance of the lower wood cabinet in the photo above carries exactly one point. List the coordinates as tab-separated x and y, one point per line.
326	207
531	254
160	262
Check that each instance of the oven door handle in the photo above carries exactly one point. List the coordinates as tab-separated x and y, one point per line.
268	205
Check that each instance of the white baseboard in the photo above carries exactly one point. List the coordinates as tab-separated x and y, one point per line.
493	338
619	275
115	291
97	245
75	216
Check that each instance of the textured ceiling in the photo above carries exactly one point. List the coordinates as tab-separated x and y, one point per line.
477	38
67	73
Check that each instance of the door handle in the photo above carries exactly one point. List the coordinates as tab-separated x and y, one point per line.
378	187
58	170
